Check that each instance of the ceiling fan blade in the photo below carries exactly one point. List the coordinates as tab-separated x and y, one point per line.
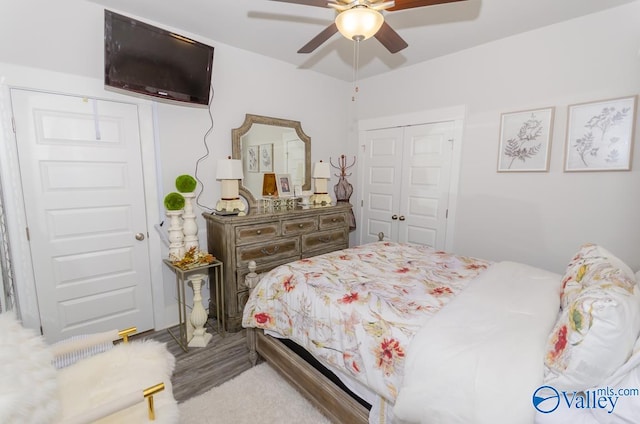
318	3
390	39
319	39
410	4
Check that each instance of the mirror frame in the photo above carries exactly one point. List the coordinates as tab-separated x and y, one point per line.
236	147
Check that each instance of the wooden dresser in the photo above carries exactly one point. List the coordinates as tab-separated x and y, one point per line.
270	239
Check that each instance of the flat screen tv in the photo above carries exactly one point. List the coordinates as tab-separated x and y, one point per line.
143	59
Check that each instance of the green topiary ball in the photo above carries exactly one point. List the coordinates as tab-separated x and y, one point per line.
186	183
174	201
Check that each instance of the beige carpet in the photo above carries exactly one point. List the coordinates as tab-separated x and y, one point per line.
258	395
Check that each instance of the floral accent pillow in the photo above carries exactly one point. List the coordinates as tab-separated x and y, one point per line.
594	335
592	265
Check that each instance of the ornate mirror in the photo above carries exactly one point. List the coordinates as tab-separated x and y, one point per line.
271	145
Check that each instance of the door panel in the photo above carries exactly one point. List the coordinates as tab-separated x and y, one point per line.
81	170
383	167
425	184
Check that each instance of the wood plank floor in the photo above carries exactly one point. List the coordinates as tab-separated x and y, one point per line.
202	368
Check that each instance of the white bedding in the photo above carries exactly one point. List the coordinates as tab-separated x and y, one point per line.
480	358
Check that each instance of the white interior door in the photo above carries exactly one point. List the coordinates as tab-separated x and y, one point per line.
81	171
407	174
382	183
425	184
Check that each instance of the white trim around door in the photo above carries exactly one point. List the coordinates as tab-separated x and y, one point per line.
457	115
16	214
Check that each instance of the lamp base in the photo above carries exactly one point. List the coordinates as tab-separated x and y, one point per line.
232	205
320	199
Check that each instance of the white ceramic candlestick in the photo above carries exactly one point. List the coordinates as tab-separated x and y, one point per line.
176	237
189	225
198	316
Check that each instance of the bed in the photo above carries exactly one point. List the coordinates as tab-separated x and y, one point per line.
411	334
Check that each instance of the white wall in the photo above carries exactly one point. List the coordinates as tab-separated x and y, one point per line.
536	218
58	46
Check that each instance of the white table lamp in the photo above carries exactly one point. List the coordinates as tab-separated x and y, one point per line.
321	175
229	173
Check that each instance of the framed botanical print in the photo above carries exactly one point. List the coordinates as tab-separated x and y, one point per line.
266	157
525	140
600	135
253	155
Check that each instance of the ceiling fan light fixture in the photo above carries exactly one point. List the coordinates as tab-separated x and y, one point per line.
359	23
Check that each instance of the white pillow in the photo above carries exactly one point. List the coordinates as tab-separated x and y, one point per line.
593	337
28	384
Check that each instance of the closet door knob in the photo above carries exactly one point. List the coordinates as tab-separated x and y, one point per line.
401	218
139	236
394	217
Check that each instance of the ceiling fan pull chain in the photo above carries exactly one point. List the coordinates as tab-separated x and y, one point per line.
356	57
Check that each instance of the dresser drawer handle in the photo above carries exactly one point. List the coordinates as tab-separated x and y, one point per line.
334	219
324	239
259	232
266	252
300	225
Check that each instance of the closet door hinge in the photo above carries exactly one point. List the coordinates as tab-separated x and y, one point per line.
13	124
446	214
26	229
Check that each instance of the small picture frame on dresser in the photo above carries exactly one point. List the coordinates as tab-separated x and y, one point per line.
283	182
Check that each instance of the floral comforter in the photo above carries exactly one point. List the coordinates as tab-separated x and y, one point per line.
357	309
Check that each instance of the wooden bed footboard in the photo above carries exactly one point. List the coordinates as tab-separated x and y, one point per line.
331	400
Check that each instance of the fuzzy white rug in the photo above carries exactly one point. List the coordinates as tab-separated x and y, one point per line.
258	395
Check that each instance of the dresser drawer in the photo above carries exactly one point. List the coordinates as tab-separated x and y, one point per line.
325	240
333	220
299	226
257	232
260	269
268	252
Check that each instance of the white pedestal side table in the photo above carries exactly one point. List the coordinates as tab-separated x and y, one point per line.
192	331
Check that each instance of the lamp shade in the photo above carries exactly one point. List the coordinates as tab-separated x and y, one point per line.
229	169
321	170
359	23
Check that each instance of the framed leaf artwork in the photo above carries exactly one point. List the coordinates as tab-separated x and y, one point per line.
525	140
600	135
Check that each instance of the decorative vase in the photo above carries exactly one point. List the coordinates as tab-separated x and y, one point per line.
189	225
176	236
343	189
199	316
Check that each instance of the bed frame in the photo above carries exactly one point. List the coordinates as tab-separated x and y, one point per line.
331	400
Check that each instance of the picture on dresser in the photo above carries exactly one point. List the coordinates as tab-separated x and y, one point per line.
266	157
285	189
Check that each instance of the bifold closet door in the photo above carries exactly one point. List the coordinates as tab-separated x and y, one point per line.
406	186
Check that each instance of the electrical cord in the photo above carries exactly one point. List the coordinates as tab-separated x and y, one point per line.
206	147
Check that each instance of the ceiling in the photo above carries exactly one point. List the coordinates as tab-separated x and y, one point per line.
278	30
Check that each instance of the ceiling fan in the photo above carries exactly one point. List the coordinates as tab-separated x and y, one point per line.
361	19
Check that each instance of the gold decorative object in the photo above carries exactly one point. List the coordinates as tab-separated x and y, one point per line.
148	393
193	259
